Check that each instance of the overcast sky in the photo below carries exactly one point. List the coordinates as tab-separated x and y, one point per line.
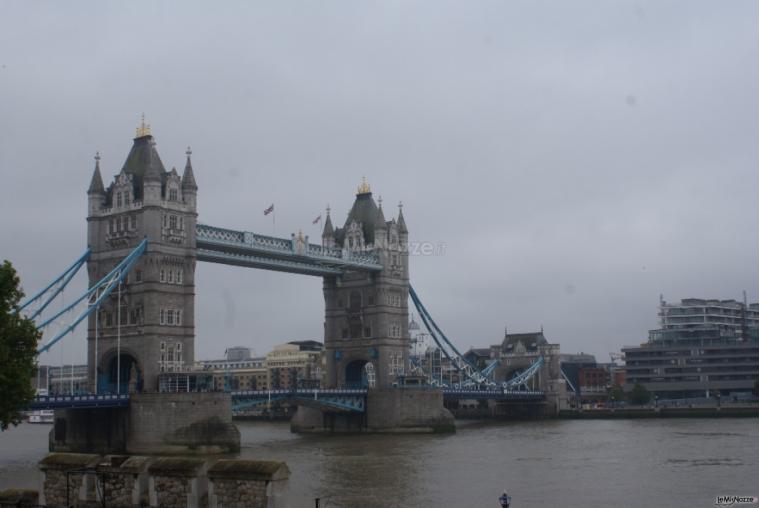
573	159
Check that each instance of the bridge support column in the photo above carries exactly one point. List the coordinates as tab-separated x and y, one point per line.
388	410
154	423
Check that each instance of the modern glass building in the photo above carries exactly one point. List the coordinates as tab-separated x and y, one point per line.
704	347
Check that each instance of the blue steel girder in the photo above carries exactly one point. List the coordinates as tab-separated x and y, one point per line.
244	248
502	395
349	400
78	401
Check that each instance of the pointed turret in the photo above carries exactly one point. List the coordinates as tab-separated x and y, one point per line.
379	221
328	234
96	184
96	193
188	178
401	221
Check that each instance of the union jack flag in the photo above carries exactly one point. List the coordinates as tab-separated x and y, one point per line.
269	210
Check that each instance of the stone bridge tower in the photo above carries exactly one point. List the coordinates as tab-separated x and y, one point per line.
155	322
366	334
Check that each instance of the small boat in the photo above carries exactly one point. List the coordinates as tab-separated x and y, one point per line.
42	416
505	500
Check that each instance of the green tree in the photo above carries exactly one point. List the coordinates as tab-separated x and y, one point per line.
616	393
639	394
18	350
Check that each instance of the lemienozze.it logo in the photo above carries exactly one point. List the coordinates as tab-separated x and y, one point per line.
734	500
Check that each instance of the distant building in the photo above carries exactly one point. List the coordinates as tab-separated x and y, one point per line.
62	380
237	372
297	364
573	369
238	353
704	346
730	316
518	351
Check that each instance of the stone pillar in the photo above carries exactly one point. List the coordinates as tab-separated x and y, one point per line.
249	483
67	473
185	423
177	482
125	480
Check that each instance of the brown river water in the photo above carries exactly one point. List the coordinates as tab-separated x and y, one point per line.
561	463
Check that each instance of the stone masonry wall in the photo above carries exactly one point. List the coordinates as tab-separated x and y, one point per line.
118	489
172	492
240	493
409	409
181	423
170	482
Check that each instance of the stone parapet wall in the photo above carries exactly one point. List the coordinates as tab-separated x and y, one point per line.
177	482
124	480
65	481
173	482
247	483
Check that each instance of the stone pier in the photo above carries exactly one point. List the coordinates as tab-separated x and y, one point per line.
154	423
388	410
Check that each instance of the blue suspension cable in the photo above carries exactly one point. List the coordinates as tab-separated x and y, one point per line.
110	281
66	276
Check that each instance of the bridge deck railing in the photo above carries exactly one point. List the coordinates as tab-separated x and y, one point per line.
282	246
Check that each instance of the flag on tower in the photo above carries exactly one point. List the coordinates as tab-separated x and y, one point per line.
317	220
269	210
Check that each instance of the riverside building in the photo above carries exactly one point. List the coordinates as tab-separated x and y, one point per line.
703	348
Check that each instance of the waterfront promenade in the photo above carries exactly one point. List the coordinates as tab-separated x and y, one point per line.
622	463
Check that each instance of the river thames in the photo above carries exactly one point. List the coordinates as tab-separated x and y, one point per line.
558	463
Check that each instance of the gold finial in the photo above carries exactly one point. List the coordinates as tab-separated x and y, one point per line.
143	129
364	187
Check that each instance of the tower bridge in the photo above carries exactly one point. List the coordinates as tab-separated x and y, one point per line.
141	314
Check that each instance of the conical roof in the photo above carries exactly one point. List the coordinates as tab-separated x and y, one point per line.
143	162
188	178
363	211
328	229
401	221
379	221
96	184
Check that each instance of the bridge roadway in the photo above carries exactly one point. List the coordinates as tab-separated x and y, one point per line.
345	399
296	255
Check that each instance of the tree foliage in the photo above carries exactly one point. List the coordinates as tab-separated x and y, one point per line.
639	394
18	350
616	393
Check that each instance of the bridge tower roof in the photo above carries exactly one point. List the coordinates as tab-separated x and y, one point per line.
364	211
